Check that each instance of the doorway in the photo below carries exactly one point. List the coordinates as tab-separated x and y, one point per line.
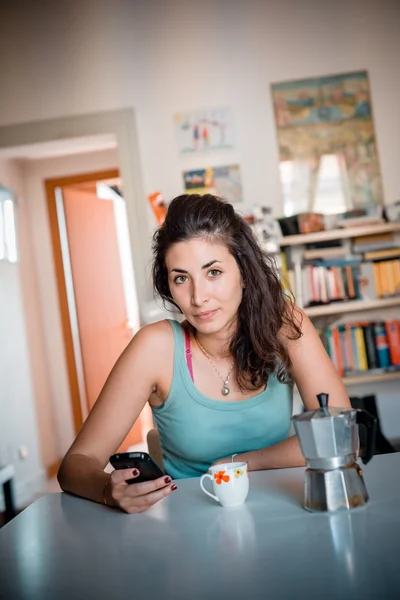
98	300
36	151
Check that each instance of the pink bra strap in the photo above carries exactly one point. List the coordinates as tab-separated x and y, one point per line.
188	353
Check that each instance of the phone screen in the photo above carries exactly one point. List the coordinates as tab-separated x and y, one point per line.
142	461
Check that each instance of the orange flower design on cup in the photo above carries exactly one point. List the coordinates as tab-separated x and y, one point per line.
220	477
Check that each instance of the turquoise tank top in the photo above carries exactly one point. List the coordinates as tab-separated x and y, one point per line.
195	431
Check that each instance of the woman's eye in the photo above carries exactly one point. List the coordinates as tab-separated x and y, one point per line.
214	273
180	279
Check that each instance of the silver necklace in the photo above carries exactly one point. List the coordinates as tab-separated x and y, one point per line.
225	389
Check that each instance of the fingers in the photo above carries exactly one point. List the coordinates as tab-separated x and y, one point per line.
141	503
138	496
146	487
122	475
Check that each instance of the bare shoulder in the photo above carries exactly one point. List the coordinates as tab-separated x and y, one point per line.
156	338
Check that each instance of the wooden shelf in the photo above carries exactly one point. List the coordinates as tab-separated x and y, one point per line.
338	234
340	308
371	378
367	378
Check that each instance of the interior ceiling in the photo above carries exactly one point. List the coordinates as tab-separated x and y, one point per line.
56	148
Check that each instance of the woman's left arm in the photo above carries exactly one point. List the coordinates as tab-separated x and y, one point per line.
313	372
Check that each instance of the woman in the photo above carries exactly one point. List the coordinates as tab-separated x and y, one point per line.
220	383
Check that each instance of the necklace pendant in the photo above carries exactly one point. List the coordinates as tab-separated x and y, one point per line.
225	390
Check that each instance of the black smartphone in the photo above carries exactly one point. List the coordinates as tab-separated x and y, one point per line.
137	460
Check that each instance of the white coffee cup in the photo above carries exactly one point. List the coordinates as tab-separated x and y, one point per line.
230	483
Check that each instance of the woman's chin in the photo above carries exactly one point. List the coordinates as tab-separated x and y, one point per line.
211	327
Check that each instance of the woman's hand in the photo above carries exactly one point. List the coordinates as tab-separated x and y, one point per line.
136	497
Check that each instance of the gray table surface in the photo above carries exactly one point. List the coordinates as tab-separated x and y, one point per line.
188	547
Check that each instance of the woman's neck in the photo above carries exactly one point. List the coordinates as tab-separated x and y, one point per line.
216	344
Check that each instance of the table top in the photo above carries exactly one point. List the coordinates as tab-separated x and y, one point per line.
188	547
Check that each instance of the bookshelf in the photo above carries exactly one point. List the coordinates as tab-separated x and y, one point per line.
300	257
370	378
339	234
349	307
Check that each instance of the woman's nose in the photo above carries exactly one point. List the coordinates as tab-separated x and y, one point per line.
199	294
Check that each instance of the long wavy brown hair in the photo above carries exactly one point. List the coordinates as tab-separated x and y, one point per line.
266	315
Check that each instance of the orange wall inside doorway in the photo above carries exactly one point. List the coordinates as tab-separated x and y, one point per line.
98	288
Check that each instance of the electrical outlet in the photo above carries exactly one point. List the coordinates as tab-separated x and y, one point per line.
23	452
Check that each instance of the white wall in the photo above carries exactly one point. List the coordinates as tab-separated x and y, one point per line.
18	422
164	56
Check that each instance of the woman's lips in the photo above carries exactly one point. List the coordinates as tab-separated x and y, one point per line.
206	315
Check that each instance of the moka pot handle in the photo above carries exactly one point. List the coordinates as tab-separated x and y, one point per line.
371	424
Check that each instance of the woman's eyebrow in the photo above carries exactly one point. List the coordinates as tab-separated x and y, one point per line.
210	263
206	266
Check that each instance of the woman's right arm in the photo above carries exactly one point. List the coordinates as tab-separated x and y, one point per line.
127	389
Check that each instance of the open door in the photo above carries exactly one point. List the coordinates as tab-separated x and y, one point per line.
99	324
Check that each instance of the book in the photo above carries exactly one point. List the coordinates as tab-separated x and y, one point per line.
385	278
361	350
380	254
291	282
344	350
366	281
337	352
393	337
356	357
377	279
315	295
298	286
350	282
327	341
382	345
360	221
323	288
306	285
396	269
370	346
324	253
355	280
370	243
340	276
389	266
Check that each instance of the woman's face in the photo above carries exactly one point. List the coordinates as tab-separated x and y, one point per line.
205	282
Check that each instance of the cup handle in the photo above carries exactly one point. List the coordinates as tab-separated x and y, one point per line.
207	475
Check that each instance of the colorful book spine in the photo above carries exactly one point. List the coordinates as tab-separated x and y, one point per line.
350	282
382	345
377	280
338	354
370	346
361	352
342	346
354	346
363	346
351	355
393	337
366	281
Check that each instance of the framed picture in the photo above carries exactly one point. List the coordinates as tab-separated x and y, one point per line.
328	157
222	181
204	130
